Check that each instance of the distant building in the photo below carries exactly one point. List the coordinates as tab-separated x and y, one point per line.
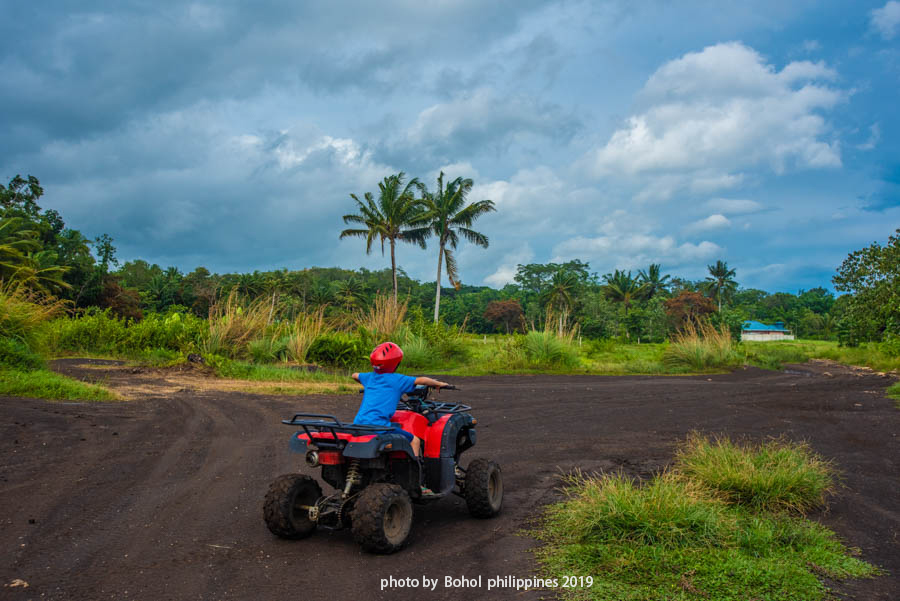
755	330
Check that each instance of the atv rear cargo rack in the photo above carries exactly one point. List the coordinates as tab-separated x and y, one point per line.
332	427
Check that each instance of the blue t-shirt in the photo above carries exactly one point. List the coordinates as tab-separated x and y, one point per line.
382	393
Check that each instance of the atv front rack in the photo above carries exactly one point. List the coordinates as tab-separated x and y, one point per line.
332	427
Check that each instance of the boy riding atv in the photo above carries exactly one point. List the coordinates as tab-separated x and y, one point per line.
383	388
372	465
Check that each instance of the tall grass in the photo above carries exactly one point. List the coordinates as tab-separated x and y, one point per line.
546	349
701	347
233	324
303	332
772	476
383	318
22	311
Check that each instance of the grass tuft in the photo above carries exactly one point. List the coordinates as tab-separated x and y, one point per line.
771	476
383	318
702	347
667	511
677	537
303	332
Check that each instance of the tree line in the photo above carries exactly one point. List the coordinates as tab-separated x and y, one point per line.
38	250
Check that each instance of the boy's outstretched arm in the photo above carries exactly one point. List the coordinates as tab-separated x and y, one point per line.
426	381
355	376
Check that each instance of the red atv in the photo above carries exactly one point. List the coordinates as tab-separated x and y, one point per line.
377	476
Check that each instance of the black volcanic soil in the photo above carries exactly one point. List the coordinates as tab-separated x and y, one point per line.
160	498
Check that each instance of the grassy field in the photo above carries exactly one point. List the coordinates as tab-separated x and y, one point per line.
491	355
725	523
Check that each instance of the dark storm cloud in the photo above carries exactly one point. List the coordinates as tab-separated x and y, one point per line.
229	134
73	69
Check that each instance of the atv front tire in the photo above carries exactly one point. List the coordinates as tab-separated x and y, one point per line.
483	488
286	509
382	518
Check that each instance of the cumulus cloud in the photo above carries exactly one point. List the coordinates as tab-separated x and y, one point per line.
716	113
629	241
886	20
713	222
509	263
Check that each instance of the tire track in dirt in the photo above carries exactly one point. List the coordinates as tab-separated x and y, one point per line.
170	506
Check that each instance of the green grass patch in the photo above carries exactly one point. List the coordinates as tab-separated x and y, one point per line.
677	537
893	391
239	370
772	476
775	354
44	384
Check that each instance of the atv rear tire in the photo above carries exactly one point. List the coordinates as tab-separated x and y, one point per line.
483	488
286	509
382	518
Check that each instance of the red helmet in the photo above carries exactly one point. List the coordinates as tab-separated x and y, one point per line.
386	357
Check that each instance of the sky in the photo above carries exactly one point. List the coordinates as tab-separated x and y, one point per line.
231	134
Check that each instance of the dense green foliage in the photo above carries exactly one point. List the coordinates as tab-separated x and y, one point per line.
36	248
871	276
676	536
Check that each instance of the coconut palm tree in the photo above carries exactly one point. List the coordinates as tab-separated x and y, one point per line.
396	215
349	292
450	216
621	287
653	280
720	282
560	295
16	241
39	271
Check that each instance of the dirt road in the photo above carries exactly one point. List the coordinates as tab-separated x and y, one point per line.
160	498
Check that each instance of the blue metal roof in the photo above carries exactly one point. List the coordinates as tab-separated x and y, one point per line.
752	325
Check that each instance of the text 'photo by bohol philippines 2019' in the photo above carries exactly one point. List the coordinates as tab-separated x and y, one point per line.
526	300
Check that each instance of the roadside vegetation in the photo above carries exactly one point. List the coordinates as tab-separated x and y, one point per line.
553	318
726	522
23	371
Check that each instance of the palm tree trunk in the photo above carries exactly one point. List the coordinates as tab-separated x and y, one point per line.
437	295
394	270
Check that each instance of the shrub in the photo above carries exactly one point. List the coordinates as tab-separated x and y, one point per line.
775	475
417	351
17	355
338	349
269	348
103	332
701	347
444	343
